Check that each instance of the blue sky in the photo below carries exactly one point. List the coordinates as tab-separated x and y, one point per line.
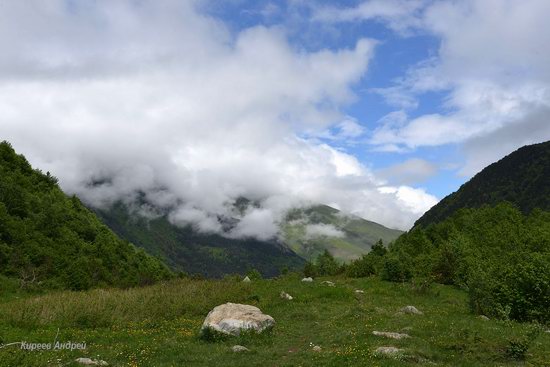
379	108
395	54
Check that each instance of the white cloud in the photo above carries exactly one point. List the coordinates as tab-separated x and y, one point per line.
322	230
416	200
412	171
399	15
493	65
157	99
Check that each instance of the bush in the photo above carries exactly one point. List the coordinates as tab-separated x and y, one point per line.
519	290
396	270
499	255
254	274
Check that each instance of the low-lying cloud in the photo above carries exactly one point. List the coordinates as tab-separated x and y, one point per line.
157	103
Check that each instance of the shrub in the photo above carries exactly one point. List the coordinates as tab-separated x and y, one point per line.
254	274
396	269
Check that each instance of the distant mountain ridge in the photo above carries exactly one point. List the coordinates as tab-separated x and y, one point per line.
355	236
521	178
213	255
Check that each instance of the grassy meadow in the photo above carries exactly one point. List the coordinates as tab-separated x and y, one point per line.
158	326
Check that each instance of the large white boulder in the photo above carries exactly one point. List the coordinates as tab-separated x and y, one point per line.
232	318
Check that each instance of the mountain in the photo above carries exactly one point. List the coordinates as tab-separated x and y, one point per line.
53	241
521	178
310	231
187	250
305	234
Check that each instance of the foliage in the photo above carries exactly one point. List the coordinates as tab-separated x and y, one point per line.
369	264
499	255
325	264
48	240
254	274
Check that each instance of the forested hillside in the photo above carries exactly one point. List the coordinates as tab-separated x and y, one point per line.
521	178
49	240
192	252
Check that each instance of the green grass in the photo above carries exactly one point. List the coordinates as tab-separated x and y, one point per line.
159	325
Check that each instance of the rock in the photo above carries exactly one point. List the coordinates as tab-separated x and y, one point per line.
246	279
329	283
285	295
547	331
91	362
484	318
308	279
391	352
411	310
390	335
317	348
231	318
239	348
359	291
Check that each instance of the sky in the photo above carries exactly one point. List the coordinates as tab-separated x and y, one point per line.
379	108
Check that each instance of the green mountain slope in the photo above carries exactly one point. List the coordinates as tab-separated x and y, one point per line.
310	231
186	250
521	178
50	240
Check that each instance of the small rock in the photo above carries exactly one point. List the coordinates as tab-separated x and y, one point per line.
285	295
231	318
329	283
239	348
390	335
388	351
484	318
308	279
411	310
317	348
91	362
246	279
359	291
547	331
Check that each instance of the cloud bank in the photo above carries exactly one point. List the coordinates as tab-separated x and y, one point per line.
159	105
492	65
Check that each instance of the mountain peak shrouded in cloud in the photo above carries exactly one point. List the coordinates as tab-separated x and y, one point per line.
162	101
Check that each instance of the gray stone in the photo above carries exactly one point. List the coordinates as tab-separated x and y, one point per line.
317	348
246	279
411	310
308	279
391	335
359	291
91	362
287	296
388	351
232	318
329	283
239	348
484	318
